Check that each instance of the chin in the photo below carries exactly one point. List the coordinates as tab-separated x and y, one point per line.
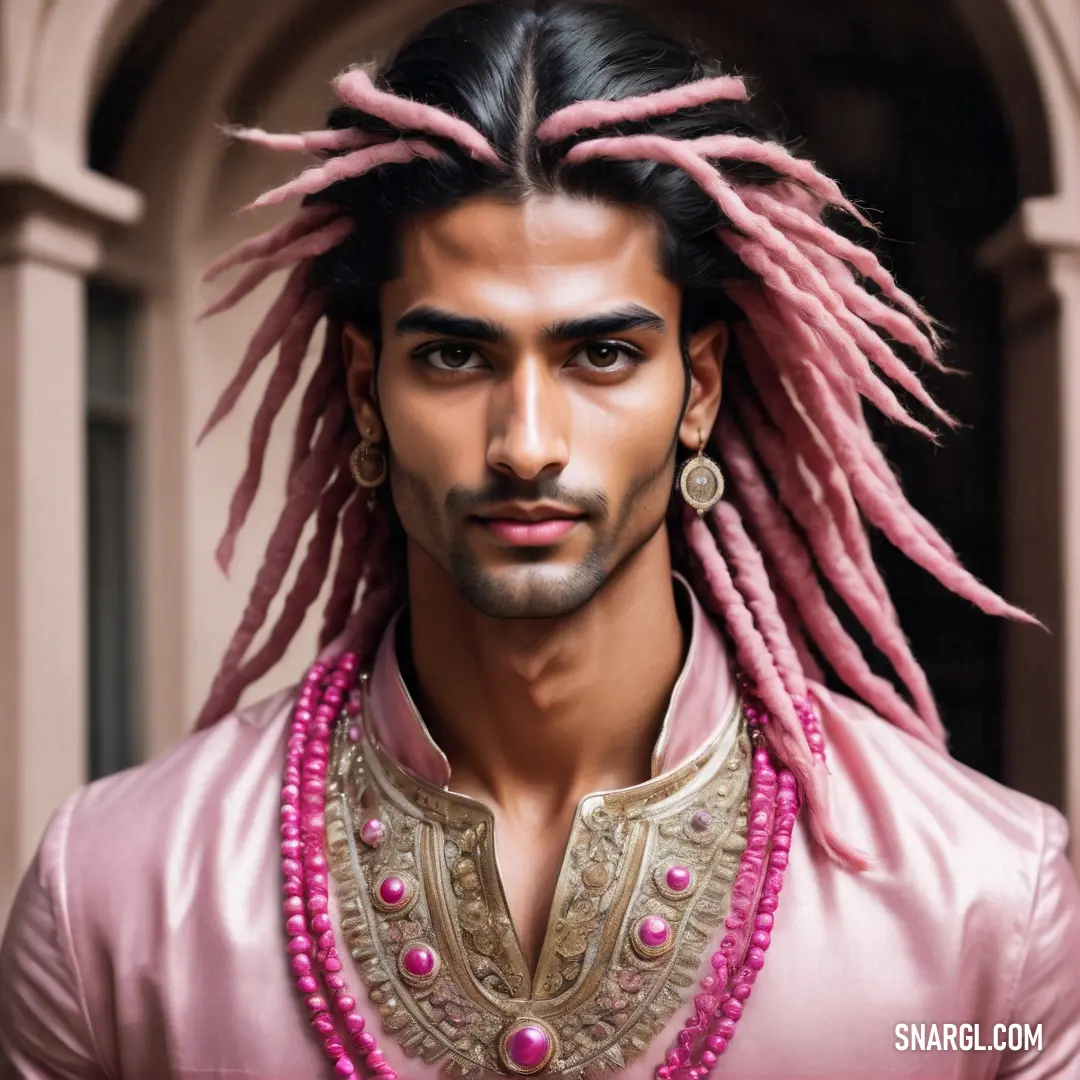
529	592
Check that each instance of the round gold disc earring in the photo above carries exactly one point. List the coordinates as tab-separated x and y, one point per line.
700	481
367	463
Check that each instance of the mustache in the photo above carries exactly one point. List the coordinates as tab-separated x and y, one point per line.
461	500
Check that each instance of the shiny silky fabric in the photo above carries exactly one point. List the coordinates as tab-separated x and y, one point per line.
147	939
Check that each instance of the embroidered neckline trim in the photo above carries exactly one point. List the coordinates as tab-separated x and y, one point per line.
599	990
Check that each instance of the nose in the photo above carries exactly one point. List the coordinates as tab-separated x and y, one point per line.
529	423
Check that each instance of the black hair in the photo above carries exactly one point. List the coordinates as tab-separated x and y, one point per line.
503	68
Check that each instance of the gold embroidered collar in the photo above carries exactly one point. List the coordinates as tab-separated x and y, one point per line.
644	886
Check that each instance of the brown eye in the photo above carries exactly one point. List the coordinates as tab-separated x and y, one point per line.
603	355
455	356
606	356
451	357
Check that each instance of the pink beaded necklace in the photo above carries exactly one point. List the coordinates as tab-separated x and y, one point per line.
774	803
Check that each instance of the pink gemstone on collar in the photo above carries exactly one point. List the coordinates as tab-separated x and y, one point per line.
372	832
392	890
701	821
419	960
653	931
678	878
528	1047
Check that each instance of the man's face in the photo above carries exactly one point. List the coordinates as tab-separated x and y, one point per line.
531	386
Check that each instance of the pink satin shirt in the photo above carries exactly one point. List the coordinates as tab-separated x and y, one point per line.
147	941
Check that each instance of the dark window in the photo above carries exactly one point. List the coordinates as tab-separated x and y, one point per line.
110	524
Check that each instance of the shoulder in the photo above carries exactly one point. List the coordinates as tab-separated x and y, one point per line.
129	869
939	831
897	791
961	855
204	771
120	840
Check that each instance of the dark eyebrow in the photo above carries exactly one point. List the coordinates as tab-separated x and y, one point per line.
431	320
633	317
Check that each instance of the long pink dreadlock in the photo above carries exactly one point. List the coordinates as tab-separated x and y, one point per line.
803	468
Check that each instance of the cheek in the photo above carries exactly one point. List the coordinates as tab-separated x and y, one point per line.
435	436
629	430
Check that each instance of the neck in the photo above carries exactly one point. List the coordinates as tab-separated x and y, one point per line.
547	710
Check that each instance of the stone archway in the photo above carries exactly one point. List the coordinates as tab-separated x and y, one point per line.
69	221
1030	46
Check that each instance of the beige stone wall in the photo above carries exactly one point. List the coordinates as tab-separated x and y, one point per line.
175	208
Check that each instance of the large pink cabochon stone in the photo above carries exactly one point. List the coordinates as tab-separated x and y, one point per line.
528	1046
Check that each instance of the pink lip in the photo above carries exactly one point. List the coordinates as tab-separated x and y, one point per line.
528	533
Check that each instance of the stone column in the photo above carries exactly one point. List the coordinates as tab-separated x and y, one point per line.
1038	257
50	229
1064	266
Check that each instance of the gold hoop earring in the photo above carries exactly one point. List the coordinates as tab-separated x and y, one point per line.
701	482
367	463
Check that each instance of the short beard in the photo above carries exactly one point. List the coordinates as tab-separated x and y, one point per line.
541	591
540	596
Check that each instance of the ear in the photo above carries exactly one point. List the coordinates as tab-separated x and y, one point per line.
359	353
706	349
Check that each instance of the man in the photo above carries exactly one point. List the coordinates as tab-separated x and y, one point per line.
531	811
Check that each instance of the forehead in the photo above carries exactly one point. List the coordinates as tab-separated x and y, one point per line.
541	257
